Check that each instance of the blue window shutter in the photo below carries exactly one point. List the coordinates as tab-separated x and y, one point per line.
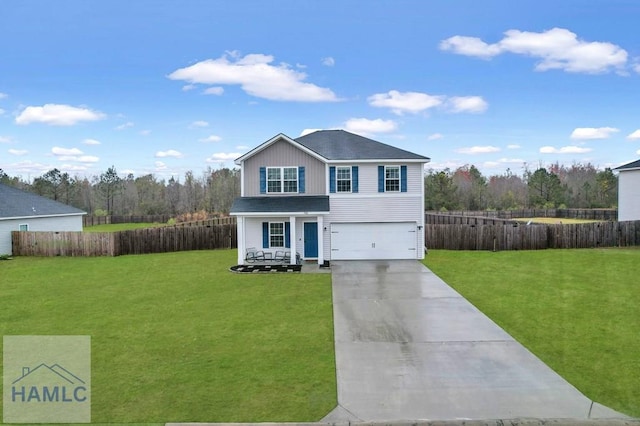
263	180
265	234
354	179
403	178
301	179
332	179
380	178
287	234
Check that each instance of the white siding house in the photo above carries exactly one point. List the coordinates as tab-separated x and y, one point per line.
629	191
331	195
24	211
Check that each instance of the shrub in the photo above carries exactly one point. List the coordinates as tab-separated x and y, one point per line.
192	216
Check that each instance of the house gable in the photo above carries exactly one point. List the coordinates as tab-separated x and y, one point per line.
282	153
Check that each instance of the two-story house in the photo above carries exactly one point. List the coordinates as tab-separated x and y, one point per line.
331	195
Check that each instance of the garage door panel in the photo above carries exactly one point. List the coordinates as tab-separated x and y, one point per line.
356	241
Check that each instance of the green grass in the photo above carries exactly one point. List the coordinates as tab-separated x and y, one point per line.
115	227
177	337
577	310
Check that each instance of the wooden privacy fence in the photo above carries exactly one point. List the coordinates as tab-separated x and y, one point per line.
137	241
532	237
589	214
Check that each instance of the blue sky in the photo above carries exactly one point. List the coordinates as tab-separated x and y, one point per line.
164	87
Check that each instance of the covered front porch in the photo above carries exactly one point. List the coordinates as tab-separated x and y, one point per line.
280	229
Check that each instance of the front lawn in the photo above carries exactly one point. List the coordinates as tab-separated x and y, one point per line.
577	310
176	337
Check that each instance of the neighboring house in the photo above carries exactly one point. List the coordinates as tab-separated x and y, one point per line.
331	195
24	211
629	191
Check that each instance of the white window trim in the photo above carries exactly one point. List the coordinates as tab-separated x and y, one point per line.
25	225
282	180
284	243
350	180
399	178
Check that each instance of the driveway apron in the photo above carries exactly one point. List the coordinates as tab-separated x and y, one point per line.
409	347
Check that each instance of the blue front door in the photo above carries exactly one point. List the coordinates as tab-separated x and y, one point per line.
310	239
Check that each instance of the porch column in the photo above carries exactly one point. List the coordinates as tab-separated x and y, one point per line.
320	240
292	221
241	243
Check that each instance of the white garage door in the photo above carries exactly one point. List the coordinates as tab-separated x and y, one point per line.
358	241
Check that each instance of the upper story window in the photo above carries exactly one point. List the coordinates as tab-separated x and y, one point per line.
282	179
392	179
24	227
343	179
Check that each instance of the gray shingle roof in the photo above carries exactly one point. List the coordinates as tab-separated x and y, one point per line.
17	203
342	145
277	204
632	165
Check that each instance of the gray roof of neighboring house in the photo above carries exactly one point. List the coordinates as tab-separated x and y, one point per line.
278	204
16	203
342	145
632	165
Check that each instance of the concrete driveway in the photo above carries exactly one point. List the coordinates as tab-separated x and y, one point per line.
409	347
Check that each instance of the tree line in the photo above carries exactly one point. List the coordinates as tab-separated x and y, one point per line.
213	191
556	186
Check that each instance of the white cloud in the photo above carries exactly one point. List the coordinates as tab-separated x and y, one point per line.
435	137
160	166
502	162
364	126
188	87
513	146
470	46
478	150
328	61
145	132
73	168
557	48
572	149
307	131
243	147
79	158
199	123
30	168
211	138
91	142
472	104
399	103
5	139
593	132
217	91
257	76
123	126
18	151
221	157
57	151
634	136
2	111
72	154
169	153
3	95
57	115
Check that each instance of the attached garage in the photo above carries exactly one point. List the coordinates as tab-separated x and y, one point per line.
362	241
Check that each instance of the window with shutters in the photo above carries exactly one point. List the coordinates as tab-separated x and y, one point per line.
343	179
392	179
282	180
276	234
